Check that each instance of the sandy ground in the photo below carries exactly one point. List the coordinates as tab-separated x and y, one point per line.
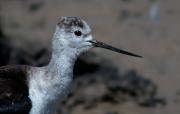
147	27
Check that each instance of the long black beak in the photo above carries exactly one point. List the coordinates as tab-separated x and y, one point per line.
106	46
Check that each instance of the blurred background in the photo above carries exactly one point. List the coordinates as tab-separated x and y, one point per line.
105	82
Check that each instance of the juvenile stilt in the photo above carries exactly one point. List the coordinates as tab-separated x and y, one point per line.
37	90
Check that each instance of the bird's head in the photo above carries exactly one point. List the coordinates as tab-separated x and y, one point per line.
74	33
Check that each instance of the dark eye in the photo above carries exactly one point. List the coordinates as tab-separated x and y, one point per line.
78	33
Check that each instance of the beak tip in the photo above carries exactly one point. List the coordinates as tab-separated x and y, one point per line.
140	56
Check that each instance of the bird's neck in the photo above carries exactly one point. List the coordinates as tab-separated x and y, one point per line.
54	81
62	62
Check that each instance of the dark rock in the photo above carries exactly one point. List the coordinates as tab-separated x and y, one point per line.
83	67
153	101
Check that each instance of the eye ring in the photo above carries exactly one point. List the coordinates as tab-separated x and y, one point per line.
78	33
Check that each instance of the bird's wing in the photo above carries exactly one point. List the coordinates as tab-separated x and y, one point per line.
14	90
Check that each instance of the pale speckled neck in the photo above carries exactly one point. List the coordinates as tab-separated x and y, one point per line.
62	63
54	81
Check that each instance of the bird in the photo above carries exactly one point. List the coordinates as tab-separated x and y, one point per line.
38	90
